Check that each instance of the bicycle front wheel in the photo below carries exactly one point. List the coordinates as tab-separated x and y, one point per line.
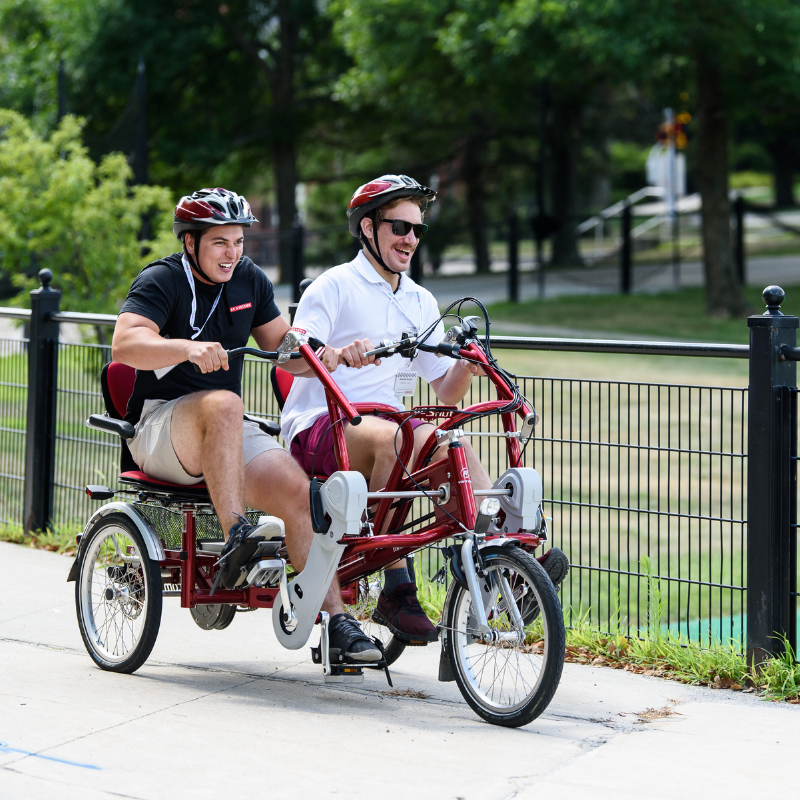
509	675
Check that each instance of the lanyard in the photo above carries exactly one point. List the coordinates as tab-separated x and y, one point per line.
405	313
190	278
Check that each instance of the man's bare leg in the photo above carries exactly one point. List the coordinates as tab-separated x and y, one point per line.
275	483
206	429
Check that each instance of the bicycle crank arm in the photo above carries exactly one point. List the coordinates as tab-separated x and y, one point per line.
344	499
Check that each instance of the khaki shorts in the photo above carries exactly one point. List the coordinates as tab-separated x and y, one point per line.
152	448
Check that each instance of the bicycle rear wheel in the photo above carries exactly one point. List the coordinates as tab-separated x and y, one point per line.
509	676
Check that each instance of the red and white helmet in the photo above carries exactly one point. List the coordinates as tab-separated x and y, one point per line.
378	193
209	207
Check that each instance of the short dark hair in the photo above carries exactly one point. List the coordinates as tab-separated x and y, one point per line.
196	236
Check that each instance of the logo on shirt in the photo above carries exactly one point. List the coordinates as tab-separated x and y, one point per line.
242	307
300	330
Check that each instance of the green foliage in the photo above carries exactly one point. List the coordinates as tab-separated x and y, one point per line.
59	541
80	219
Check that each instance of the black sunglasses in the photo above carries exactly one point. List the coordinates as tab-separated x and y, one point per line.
402	228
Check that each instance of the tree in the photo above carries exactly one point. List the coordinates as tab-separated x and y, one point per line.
404	70
733	53
80	219
233	89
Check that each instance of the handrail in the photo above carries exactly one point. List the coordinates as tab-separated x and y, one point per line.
701	349
15	313
80	318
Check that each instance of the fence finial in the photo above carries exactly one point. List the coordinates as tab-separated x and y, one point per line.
773	297
45	276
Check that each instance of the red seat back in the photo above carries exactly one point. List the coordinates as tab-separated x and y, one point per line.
281	384
117	382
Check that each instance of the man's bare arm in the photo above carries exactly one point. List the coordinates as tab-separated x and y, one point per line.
270	336
138	344
453	385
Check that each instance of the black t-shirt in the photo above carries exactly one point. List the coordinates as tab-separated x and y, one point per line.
161	292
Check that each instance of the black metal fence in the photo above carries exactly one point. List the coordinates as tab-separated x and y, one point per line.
645	483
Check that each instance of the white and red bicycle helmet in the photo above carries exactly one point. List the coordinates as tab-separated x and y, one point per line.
209	207
367	199
378	193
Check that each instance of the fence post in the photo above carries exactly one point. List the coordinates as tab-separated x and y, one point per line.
298	234
513	257
40	435
771	611
738	249
416	265
625	252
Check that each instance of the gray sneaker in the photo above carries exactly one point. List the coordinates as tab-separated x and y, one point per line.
346	637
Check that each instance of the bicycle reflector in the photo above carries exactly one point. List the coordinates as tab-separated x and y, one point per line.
99	492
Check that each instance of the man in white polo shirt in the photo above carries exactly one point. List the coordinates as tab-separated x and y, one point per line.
350	307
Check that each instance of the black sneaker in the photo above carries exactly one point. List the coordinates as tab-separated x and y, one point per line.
556	565
241	546
345	636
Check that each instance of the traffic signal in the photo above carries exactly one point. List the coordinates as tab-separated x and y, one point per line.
672	133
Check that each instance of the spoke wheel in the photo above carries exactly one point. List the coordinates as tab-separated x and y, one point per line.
368	590
509	676
117	595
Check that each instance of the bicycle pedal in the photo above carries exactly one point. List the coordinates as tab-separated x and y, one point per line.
339	672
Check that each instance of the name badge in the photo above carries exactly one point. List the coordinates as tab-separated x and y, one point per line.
405	383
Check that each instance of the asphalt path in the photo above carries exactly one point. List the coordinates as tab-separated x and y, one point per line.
229	713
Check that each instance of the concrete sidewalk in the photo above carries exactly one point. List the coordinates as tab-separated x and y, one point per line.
229	713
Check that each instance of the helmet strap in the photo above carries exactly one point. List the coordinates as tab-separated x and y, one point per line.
196	266
376	253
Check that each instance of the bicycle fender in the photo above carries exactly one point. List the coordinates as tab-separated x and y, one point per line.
445	667
155	550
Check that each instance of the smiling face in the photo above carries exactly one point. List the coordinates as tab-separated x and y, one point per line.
220	251
395	250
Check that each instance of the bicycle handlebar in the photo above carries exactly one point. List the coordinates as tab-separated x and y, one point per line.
267	355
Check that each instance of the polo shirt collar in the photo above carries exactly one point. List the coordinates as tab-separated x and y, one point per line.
365	268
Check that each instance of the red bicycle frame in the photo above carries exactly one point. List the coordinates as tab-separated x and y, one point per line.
366	554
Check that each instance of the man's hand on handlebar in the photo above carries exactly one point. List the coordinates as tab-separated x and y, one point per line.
207	356
353	355
475	369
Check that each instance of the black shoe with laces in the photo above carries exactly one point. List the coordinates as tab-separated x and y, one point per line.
241	546
345	635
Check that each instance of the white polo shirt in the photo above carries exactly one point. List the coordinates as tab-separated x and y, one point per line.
352	302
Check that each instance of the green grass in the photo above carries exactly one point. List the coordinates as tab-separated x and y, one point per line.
58	541
672	315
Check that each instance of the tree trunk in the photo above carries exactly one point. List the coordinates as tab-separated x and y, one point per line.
782	152
284	153
723	293
474	168
564	139
285	166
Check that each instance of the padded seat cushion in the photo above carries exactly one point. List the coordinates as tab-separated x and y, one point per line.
137	476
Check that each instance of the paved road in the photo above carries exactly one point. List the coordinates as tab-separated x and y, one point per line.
230	714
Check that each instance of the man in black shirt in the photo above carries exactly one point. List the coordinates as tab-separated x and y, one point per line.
188	309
